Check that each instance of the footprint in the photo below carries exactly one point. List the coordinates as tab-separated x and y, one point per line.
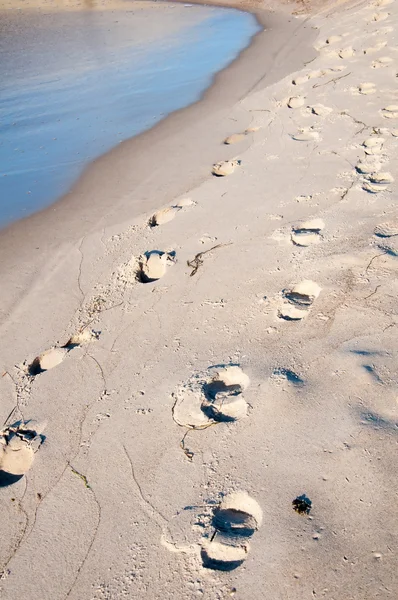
390	112
298	300
373	145
227	167
184	202
207	400
376	48
163	216
333	39
306	134
47	360
238	137
368	166
346	52
235	520
394	132
222	556
238	514
377	182
18	444
386	230
390	246
153	265
308	232
54	356
380	16
82	337
300	79
320	110
380	63
295	102
367	88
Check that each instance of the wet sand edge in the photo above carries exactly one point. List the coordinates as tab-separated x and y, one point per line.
148	170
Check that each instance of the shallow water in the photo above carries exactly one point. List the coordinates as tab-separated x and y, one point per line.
73	85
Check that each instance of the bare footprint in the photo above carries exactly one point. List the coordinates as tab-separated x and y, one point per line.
238	137
380	16
308	232
227	167
390	112
376	48
306	134
300	79
389	246
386	230
366	88
320	110
163	216
153	265
377	182
333	39
295	102
206	400
368	165
298	300
346	52
184	202
18	444
383	61
54	356
373	145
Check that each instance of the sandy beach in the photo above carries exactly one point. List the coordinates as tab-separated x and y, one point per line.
208	351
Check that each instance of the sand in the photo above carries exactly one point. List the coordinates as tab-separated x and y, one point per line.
123	500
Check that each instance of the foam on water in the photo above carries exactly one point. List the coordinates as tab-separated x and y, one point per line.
75	86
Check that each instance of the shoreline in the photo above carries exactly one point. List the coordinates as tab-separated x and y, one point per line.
28	241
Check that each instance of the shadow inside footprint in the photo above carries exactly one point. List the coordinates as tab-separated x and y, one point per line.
217	557
234	522
291	376
8	478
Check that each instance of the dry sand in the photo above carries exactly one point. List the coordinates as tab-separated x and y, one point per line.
139	487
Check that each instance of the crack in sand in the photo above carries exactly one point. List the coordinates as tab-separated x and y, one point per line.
149	508
87	486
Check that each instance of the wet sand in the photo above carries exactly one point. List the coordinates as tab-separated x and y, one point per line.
143	173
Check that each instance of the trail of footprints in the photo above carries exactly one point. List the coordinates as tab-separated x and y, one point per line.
217	395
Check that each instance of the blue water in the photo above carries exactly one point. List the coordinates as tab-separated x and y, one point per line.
71	90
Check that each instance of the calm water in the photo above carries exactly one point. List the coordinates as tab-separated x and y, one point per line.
74	85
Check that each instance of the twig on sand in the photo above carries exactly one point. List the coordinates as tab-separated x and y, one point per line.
331	80
372	259
196	262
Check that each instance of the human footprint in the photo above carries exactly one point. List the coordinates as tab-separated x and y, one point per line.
153	265
298	300
390	112
373	145
207	399
18	444
235	520
54	356
306	134
377	182
226	167
238	137
308	232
